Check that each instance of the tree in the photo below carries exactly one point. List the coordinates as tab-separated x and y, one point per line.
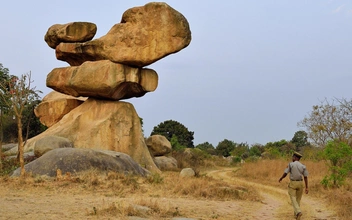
20	96
339	156
4	77
241	150
300	139
256	150
169	128
32	124
175	144
329	121
225	147
207	147
276	149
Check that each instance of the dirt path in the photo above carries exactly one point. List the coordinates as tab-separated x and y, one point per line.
76	202
276	203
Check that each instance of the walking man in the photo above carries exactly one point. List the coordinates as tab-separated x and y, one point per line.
295	187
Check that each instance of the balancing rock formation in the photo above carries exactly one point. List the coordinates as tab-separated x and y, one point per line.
85	107
145	35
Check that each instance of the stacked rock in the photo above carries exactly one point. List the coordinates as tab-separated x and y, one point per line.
106	70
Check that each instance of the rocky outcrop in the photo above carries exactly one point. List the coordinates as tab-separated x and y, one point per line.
158	145
75	160
145	35
71	32
187	172
103	124
107	70
49	143
165	163
6	147
103	79
54	106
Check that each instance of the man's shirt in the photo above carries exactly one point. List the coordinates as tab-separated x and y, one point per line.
296	170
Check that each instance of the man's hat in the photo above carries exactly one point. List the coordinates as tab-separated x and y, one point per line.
297	154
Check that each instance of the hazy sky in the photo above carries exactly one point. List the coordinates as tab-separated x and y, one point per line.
252	70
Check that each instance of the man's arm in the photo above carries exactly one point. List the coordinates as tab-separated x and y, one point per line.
306	182
283	176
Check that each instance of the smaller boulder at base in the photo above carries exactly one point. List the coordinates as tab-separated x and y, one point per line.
187	172
75	160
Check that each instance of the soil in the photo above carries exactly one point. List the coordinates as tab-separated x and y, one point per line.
57	203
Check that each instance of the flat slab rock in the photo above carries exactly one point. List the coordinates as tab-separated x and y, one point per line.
103	79
75	160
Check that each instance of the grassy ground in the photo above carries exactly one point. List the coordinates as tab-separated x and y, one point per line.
164	196
269	172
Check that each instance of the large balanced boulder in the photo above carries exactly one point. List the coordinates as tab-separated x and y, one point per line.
105	125
71	32
103	79
158	145
74	160
54	106
145	35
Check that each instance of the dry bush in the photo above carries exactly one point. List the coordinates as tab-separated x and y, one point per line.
198	160
341	199
207	188
144	208
269	171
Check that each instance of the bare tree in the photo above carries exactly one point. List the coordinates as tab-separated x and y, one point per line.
19	95
329	121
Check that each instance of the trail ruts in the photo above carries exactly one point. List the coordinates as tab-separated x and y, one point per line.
275	201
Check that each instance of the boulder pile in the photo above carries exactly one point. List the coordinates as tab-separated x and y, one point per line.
85	106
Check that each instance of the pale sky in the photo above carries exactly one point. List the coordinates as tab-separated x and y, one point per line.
252	71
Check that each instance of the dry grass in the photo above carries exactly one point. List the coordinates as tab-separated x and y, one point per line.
128	191
148	197
269	172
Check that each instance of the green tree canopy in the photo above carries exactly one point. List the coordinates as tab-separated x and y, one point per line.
4	78
172	128
339	156
300	139
225	147
207	147
241	150
256	150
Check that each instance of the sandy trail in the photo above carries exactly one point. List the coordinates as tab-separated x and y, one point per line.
55	202
276	202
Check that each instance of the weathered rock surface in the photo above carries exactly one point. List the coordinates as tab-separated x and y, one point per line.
49	143
6	147
103	79
28	156
102	124
187	172
158	145
145	35
166	163
75	160
71	32
54	106
11	151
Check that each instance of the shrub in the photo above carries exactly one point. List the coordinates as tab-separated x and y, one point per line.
339	155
